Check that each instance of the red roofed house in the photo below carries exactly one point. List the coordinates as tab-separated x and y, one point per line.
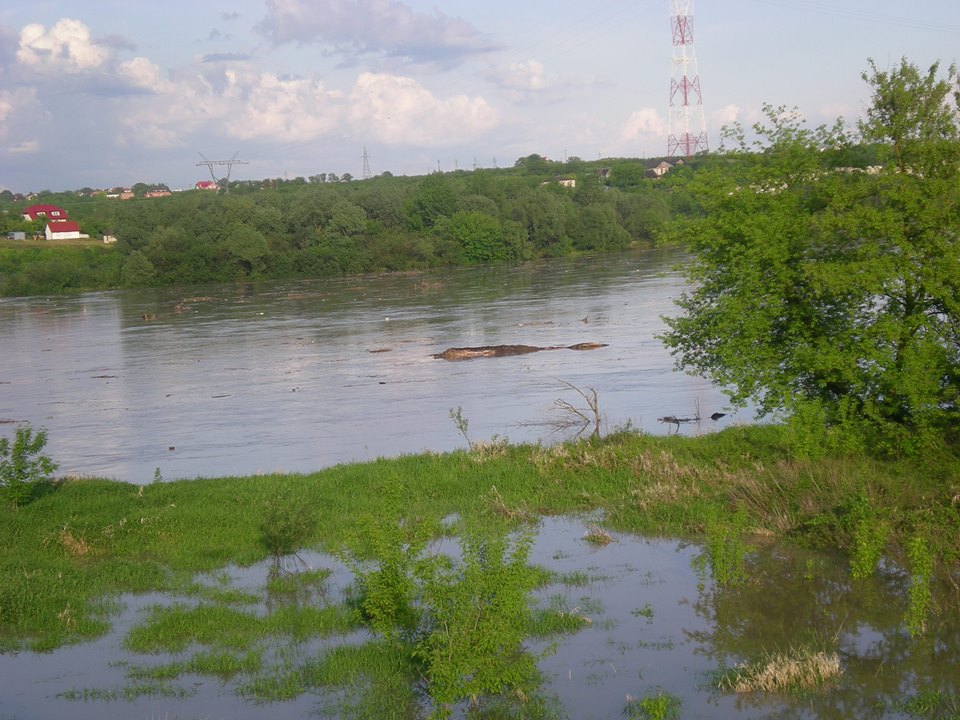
206	185
47	212
63	230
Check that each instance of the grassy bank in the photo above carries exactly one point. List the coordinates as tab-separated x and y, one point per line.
78	542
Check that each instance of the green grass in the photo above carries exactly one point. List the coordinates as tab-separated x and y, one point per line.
173	628
80	541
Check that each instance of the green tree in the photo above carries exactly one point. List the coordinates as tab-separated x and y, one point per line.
484	239
137	270
830	294
434	199
23	464
246	248
347	219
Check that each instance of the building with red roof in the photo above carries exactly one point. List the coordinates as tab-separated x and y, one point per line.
63	230
44	212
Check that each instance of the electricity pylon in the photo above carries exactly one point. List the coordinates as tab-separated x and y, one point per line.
229	163
687	133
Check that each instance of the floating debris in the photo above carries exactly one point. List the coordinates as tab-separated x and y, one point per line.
468	353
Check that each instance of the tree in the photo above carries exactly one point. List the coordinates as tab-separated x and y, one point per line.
434	199
828	293
23	464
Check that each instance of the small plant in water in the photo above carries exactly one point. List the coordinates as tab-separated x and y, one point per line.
661	706
725	551
286	526
921	572
596	535
797	670
869	534
23	465
477	615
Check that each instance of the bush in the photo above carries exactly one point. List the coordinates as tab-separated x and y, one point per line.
22	465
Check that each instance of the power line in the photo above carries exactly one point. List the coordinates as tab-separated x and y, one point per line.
229	163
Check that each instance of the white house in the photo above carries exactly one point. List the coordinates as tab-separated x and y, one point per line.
63	230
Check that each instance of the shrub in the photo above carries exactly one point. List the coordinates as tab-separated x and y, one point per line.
23	464
286	526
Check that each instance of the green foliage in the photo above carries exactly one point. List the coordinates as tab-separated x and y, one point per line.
137	270
478	616
869	536
484	239
278	229
464	623
23	465
725	550
288	522
816	285
388	587
930	705
662	706
921	576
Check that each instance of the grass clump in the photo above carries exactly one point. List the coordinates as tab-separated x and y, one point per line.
782	672
659	706
930	705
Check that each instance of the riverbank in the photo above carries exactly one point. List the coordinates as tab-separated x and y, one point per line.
79	541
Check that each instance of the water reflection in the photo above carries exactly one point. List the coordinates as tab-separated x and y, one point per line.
656	627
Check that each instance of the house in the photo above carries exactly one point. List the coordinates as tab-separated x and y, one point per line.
661	169
17	235
44	212
206	185
63	230
157	193
109	239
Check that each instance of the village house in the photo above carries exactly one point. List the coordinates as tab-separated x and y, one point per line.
206	185
63	230
45	212
659	170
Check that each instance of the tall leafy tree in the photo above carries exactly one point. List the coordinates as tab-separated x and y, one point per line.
832	293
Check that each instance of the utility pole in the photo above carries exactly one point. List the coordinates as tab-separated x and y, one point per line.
687	134
366	164
229	163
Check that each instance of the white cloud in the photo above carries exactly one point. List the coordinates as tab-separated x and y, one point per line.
15	106
67	47
144	74
727	115
641	124
27	147
281	109
523	77
381	26
400	111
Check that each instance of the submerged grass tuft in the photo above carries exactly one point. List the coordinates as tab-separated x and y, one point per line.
782	672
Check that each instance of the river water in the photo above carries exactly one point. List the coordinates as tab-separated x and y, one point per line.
296	376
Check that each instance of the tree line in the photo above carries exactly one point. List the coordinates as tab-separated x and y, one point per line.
284	229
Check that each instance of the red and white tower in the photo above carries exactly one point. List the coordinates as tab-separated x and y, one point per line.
687	133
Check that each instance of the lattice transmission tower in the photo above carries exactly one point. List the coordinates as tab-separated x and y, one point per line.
229	163
366	165
687	133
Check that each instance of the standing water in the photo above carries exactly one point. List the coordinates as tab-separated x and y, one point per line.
296	376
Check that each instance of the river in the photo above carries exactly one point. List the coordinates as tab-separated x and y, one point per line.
296	376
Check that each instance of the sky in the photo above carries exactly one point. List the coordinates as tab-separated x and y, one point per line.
102	93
